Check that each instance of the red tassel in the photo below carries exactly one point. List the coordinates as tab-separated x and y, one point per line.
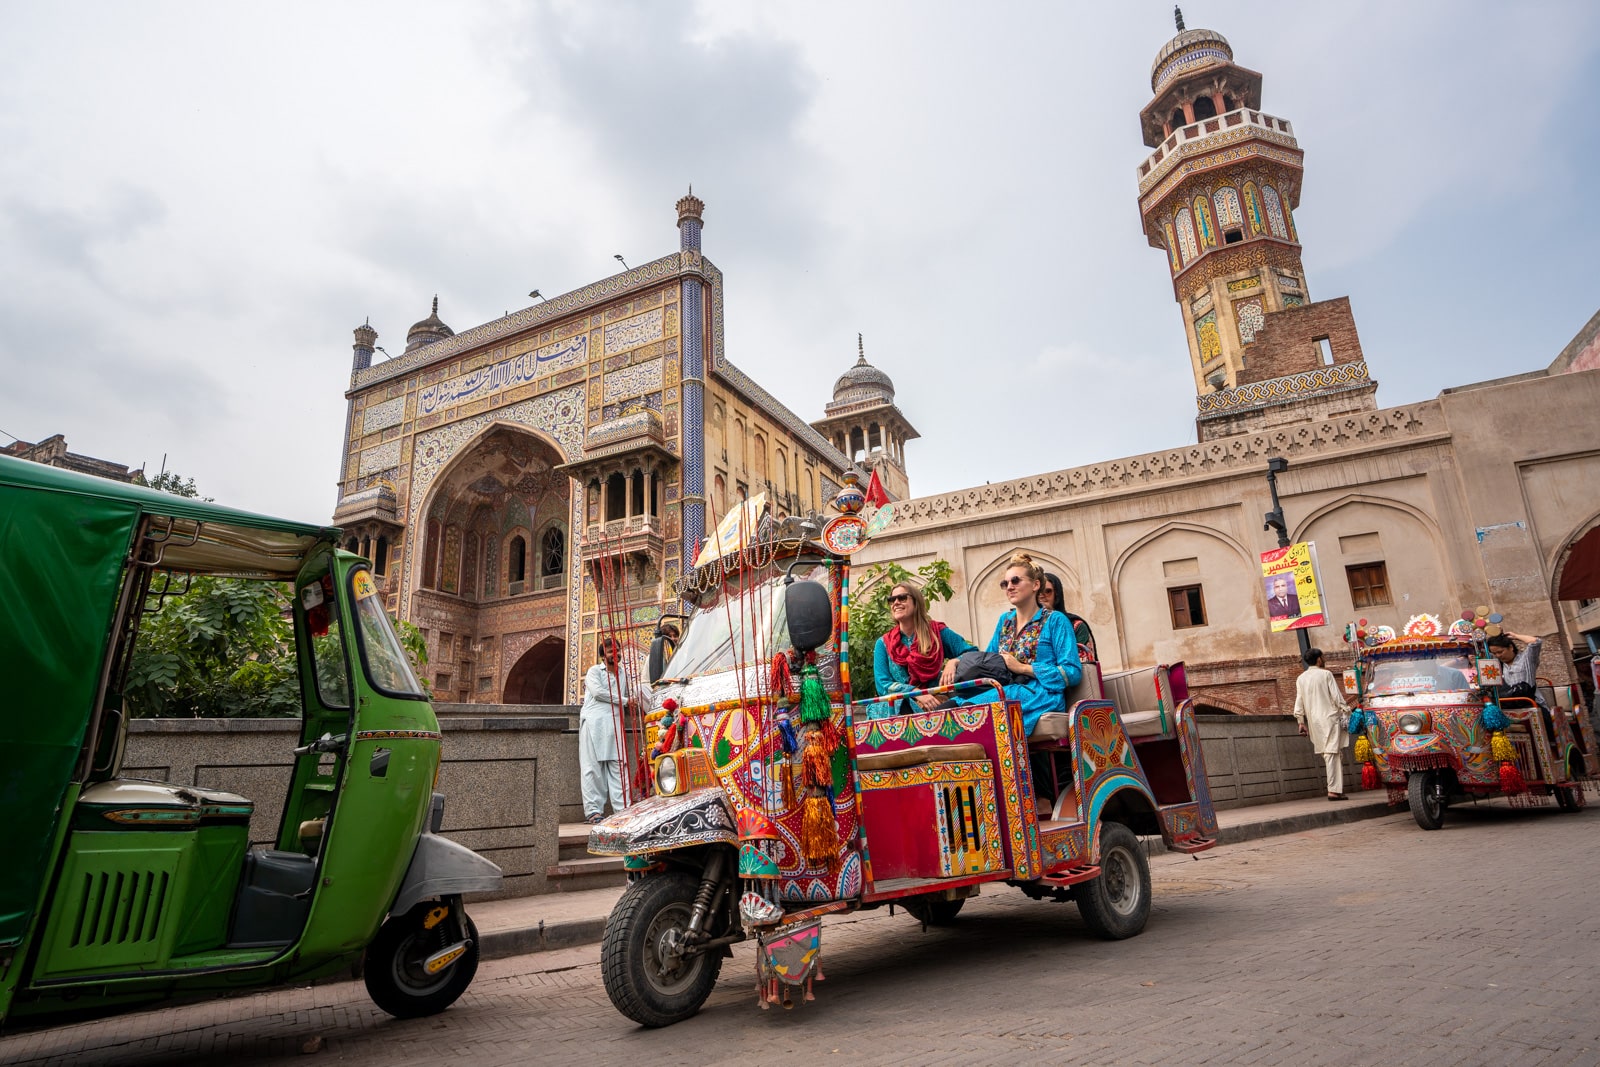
819	837
1369	776
816	769
1511	779
830	734
782	682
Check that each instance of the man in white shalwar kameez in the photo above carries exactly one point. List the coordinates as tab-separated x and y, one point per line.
599	771
1320	710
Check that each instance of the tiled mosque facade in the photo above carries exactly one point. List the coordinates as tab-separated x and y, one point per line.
496	475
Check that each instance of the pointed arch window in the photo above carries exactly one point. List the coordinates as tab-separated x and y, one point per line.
553	552
517	561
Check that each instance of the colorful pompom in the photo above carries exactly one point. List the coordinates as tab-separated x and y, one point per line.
1500	747
1493	718
1369	776
1363	753
1511	779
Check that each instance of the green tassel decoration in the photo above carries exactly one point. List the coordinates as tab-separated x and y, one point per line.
814	707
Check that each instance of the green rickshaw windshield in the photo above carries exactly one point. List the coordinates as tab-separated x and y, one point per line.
382	655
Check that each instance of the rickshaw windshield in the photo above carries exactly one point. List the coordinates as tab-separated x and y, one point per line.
1421	674
382	655
731	627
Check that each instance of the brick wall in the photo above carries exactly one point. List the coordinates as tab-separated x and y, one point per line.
1287	343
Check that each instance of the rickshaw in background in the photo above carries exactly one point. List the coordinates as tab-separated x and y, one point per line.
1433	729
119	893
775	803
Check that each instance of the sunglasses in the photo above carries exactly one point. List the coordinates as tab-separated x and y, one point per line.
1015	580
895	598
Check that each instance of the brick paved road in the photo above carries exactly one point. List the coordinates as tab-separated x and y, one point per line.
1373	943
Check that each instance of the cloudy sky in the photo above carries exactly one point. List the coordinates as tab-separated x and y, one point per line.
199	201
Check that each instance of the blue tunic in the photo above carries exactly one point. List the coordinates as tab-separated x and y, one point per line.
1055	663
892	678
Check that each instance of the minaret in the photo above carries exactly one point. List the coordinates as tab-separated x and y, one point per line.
692	300
864	423
1218	195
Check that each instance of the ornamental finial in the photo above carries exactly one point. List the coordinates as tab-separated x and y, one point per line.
1177	16
436	304
861	351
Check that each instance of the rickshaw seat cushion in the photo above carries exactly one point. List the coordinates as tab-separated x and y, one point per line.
913	757
1051	726
1054	725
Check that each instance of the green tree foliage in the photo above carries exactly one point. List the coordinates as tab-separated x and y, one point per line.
176	484
870	619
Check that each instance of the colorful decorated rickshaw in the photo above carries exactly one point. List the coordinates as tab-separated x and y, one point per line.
1433	729
774	803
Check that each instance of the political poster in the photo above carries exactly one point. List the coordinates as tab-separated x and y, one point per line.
1294	592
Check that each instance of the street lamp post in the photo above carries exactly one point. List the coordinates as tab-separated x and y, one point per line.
1276	465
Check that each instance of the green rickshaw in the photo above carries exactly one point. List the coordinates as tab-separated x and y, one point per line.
119	893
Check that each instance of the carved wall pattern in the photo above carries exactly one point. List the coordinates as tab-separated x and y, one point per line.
383	415
1285	388
1241	453
384	457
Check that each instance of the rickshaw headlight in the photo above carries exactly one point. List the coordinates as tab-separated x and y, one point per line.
667	776
1414	722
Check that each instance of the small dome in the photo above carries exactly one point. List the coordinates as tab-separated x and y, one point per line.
863	382
1190	50
427	331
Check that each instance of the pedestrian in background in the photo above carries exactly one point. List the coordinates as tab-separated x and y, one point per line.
599	772
1321	713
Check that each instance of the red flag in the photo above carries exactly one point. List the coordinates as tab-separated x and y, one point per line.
876	496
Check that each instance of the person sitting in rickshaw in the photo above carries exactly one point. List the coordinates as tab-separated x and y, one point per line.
1521	671
916	653
1036	645
1052	599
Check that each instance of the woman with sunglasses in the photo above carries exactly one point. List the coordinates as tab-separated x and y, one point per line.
1036	644
916	653
1051	599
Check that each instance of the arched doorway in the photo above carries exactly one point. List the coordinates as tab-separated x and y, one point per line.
536	678
1576	592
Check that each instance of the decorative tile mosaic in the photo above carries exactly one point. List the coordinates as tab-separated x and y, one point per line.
1201	303
1252	208
1205	333
382	458
1172	246
631	333
1274	212
1244	284
382	416
1293	300
486	381
1274	389
1203	225
1226	200
1288	281
1251	318
1186	245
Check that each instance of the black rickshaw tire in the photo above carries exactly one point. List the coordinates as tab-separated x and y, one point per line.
932	911
1116	903
392	981
1426	808
626	952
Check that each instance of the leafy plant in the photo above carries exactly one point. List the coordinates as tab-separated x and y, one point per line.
870	618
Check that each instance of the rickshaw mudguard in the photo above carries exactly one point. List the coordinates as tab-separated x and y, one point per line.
1414	752
440	867
660	824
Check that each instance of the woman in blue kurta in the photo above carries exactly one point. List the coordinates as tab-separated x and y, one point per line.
916	653
1041	649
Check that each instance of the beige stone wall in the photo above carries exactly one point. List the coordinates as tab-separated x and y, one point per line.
746	447
1433	491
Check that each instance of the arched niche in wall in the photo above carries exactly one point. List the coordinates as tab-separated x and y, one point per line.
1364	531
1176	556
986	601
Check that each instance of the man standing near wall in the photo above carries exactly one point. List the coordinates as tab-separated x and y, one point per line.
599	772
1320	711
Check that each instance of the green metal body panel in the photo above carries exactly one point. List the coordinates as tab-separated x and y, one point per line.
118	906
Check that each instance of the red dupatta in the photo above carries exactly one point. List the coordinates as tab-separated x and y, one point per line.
923	667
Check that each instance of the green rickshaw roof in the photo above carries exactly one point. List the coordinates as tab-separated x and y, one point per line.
225	541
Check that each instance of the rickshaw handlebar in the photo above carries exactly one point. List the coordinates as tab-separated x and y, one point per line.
325	743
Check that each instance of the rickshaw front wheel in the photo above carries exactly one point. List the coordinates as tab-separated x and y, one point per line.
396	974
1424	797
1116	904
648	975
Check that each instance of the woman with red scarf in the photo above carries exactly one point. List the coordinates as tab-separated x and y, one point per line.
916	653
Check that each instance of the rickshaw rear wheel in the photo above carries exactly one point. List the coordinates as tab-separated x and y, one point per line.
1116	904
1427	806
933	911
646	975
1569	797
396	979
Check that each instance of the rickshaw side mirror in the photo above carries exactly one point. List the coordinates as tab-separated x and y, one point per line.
810	613
657	663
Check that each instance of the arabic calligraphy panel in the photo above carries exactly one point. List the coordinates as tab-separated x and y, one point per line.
517	370
630	333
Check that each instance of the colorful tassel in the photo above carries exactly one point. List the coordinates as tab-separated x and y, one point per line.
1501	748
1493	718
781	680
1369	776
1511	779
816	769
1357	722
1363	753
791	743
819	836
814	706
786	778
